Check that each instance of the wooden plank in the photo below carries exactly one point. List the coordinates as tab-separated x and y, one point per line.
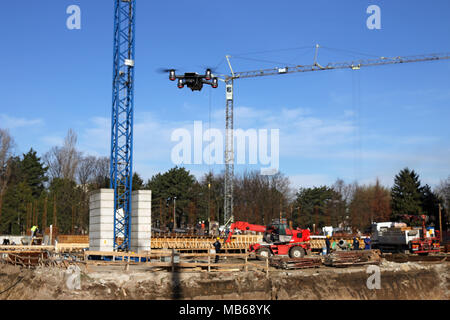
214	254
114	253
28	248
73	239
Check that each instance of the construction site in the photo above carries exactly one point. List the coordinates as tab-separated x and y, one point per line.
232	236
185	267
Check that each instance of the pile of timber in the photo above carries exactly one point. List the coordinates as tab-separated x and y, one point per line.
295	263
79	239
22	248
203	242
351	258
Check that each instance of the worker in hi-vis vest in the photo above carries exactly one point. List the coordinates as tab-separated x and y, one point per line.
33	231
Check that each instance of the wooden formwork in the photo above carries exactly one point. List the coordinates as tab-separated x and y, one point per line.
186	261
237	242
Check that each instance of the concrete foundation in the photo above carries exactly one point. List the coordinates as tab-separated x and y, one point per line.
101	220
141	221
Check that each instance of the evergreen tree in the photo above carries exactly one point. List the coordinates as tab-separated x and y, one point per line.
17	198
314	204
68	197
33	172
406	195
138	183
177	182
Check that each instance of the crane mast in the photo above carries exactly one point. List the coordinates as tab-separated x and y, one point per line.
229	154
122	120
229	80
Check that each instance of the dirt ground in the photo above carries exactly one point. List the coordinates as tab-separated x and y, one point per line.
411	280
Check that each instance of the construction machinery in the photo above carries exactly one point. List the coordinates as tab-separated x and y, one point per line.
398	237
229	113
278	239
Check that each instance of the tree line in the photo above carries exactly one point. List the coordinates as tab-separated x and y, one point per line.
54	189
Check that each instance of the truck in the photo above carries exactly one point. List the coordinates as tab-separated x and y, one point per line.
278	239
398	237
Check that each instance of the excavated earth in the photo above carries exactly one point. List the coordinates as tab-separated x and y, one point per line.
409	280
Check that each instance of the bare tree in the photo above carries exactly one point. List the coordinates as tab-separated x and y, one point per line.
63	161
71	156
369	204
443	190
53	161
86	170
259	198
101	172
6	148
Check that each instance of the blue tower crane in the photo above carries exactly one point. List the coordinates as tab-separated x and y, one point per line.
122	120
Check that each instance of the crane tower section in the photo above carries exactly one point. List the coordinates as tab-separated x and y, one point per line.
229	155
122	120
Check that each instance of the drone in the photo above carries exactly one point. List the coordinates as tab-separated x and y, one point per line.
193	80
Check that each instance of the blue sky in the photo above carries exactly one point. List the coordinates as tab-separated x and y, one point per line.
333	124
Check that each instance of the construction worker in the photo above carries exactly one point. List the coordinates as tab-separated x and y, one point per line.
217	246
327	243
33	231
367	243
355	244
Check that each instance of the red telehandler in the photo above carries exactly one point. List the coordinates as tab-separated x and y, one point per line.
278	239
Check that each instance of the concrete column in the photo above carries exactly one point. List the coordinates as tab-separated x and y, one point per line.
101	220
141	221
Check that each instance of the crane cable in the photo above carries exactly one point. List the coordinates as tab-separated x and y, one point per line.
350	52
209	160
271	51
356	105
244	56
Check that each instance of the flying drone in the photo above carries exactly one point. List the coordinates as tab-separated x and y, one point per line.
193	80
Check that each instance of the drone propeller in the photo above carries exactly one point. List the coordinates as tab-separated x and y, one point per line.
213	69
164	70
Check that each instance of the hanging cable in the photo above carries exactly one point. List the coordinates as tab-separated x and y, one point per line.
356	104
308	51
271	51
209	161
209	125
219	64
266	61
354	53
